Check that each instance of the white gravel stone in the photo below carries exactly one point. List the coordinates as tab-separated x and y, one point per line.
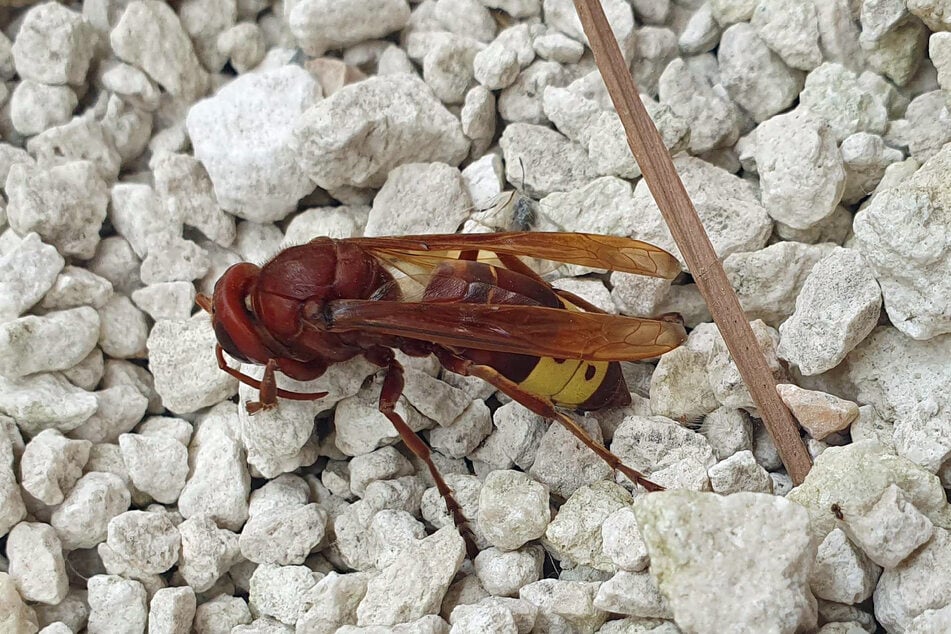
800	169
654	48
448	69
321	25
670	455
182	359
711	114
890	530
12	509
564	606
279	591
503	573
521	101
166	300
123	329
835	94
283	527
686	532
757	79
207	552
27	272
15	615
142	543
540	161
402	207
899	53
171	611
482	617
634	593
561	16
75	286
158	465
791	30
557	47
189	196
819	413
361	428
220	614
51	465
896	234
574	535
769	281
735	218
36	107
333	602
245	129
150	36
680	388
907	591
563	463
46	401
331	142
739	472
55	341
64	204
382	464
82	139
513	509
81	521
725	379
414	584
36	564
837	307
53	45
902	379
120	408
865	158
622	541
116	605
843	572
701	32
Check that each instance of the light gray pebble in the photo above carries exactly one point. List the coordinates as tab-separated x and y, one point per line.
417	128
245	129
36	563
279	591
634	593
283	527
482	617
54	45
739	472
158	465
64	204
81	521
25	343
81	139
521	102
207	552
171	611
51	465
725	378
88	372
220	615
540	161
428	568
565	605
116	605
622	542
243	45
27	272
843	572
400	207
756	77
574	535
701	33
75	286
791	30
382	464
143	543
36	107
319	25
563	464
46	401
182	359
911	588
120	408
502	573
150	36
662	449
123	329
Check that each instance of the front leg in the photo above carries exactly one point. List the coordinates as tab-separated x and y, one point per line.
268	392
389	396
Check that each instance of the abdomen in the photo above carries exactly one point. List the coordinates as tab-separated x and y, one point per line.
572	383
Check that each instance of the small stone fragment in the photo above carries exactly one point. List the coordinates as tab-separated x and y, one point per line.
116	605
843	572
37	566
51	465
739	472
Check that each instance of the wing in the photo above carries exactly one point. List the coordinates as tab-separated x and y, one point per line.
530	330
420	253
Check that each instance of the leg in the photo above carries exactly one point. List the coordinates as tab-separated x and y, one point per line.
389	395
544	407
267	386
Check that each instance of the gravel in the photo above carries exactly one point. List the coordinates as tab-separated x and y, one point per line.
146	146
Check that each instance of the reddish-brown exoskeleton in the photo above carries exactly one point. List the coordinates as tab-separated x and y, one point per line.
467	299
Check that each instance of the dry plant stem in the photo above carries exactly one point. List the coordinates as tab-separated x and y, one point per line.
687	230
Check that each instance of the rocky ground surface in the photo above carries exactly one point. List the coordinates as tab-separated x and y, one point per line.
148	146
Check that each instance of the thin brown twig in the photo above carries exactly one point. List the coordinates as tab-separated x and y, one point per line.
688	232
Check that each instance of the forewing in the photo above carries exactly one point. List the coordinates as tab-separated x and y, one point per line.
597	251
530	330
